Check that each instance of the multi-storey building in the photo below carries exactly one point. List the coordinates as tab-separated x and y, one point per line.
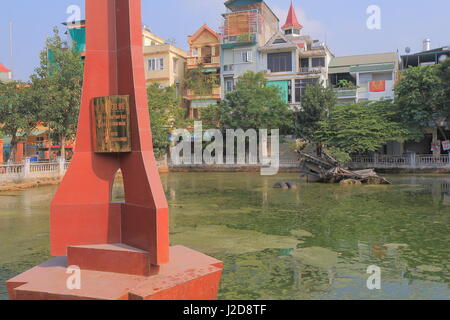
253	41
433	135
248	25
165	63
368	77
203	62
426	57
292	61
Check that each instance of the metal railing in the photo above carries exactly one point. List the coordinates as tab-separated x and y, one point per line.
195	61
312	69
403	161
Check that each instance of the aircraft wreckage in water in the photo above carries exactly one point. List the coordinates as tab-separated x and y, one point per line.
325	169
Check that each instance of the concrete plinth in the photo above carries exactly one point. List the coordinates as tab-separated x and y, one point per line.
190	275
116	258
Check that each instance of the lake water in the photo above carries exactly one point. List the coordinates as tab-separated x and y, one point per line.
315	242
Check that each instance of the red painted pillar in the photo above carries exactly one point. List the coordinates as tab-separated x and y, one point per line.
20	151
82	212
1	151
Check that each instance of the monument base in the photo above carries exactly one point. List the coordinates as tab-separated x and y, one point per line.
190	275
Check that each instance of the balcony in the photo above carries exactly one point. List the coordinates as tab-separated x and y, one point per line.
237	40
345	93
207	62
313	70
213	94
364	93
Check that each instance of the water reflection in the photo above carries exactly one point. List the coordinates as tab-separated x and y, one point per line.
315	242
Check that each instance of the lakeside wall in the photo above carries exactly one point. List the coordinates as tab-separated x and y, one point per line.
32	172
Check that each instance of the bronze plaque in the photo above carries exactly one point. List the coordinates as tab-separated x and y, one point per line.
112	124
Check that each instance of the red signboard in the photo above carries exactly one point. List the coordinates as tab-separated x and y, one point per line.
377	86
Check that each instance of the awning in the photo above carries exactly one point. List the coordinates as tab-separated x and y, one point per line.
379	67
339	70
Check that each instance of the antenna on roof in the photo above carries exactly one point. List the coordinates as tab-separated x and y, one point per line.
11	52
171	41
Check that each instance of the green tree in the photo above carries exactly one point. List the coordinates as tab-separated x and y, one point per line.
317	104
166	114
18	112
420	95
202	83
361	127
253	105
58	84
444	74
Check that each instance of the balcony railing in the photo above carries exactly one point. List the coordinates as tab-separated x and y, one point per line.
195	61
214	92
314	70
242	38
346	92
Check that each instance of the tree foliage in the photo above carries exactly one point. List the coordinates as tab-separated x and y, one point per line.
420	95
317	103
361	127
201	82
18	111
58	84
252	105
166	114
444	74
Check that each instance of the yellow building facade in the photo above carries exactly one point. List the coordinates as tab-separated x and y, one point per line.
164	63
204	55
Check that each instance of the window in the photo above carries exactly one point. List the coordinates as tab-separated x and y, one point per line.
318	62
301	85
229	85
228	67
279	40
279	62
304	63
246	56
156	64
195	52
243	56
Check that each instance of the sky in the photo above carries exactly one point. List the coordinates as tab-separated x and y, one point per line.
342	25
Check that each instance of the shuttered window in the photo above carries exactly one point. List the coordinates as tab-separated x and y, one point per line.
279	62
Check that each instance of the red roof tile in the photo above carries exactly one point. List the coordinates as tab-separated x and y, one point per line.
292	21
4	69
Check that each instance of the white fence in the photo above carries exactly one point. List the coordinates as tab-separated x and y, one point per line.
412	161
21	172
233	162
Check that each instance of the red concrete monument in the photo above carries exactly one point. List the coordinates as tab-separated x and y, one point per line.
121	249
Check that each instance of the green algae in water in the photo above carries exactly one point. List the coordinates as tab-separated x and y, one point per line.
315	242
